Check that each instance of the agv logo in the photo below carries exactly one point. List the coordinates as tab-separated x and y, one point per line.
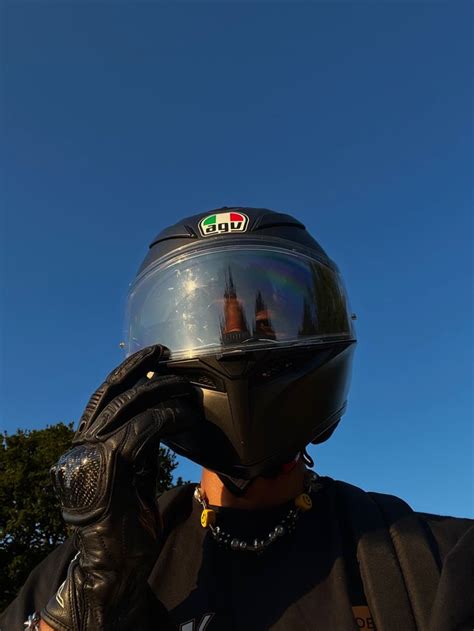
223	223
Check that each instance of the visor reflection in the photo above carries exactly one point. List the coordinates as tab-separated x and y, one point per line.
234	298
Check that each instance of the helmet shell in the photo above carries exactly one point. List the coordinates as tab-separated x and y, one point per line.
262	406
262	224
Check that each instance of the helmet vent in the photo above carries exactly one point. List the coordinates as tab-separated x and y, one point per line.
298	360
274	369
276	220
205	381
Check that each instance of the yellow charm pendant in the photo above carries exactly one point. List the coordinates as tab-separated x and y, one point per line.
208	518
303	502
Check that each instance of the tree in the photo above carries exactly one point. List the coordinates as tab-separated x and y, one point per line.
30	519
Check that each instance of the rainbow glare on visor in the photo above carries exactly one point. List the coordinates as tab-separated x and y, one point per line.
236	298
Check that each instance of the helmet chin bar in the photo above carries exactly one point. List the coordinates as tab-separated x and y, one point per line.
262	408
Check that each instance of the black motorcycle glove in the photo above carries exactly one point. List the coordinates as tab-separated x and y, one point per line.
106	484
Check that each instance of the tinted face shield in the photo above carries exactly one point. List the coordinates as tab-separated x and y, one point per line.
235	299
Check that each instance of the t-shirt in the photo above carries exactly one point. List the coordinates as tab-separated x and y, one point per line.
307	580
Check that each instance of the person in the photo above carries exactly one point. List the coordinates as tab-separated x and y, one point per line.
239	342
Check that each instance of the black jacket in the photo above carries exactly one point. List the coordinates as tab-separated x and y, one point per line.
355	561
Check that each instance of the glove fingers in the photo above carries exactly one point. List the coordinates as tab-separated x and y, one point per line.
170	417
137	365
122	378
133	402
93	407
140	438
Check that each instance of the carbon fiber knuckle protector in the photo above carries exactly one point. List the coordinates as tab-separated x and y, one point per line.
77	477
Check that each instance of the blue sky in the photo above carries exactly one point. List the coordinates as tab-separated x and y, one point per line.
121	118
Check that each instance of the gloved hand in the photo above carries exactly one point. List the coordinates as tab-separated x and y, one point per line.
106	484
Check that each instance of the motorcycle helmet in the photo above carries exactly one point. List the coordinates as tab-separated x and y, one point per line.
256	316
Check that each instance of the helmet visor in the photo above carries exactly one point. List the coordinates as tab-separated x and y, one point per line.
235	299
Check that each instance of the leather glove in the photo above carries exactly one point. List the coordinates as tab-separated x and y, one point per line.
106	484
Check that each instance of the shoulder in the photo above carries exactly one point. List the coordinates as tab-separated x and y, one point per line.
447	531
442	532
179	497
40	585
175	506
176	496
429	557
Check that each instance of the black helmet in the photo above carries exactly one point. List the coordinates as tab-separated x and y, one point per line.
256	316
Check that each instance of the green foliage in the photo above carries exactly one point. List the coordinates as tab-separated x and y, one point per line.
30	520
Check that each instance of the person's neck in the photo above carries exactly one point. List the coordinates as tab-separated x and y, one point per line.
262	493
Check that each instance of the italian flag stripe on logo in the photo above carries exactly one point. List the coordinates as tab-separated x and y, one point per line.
209	220
223	217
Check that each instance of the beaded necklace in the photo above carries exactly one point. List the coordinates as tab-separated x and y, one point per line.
301	504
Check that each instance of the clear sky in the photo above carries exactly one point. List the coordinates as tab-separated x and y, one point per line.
120	118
